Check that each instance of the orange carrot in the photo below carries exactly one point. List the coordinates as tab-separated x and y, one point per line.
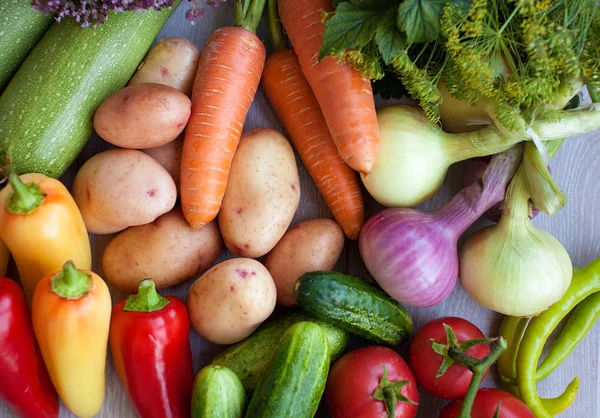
299	112
345	97
228	75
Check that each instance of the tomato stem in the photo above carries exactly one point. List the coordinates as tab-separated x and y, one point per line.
389	393
479	371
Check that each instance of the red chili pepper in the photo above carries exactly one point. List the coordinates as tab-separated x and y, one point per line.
24	382
149	340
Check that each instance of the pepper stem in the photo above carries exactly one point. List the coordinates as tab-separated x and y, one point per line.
479	371
71	283
389	393
147	299
25	198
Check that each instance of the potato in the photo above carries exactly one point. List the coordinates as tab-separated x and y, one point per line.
262	194
168	250
173	62
142	116
119	188
169	156
231	300
313	245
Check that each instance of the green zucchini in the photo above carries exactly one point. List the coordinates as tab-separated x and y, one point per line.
46	112
354	305
292	384
218	393
20	29
248	358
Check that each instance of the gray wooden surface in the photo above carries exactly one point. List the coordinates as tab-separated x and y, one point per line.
577	226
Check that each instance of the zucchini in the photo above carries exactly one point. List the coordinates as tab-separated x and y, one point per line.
292	384
354	305
20	29
218	393
248	358
46	112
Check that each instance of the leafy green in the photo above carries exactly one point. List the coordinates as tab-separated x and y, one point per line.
389	38
420	19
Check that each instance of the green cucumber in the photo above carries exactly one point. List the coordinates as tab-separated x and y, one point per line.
294	381
218	393
47	110
248	358
20	29
354	305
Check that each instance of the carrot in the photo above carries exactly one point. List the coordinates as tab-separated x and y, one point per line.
228	76
345	97
299	112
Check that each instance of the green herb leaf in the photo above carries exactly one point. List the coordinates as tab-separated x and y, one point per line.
420	19
354	24
390	40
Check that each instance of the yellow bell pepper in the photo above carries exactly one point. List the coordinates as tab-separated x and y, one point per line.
4	256
42	227
71	318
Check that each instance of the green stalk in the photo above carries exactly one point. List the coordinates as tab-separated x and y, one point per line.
71	283
516	204
545	193
25	198
570	123
276	36
248	13
479	371
147	299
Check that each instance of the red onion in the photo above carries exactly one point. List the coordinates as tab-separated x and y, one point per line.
413	254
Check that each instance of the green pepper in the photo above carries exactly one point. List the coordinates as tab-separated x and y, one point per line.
580	323
585	282
512	330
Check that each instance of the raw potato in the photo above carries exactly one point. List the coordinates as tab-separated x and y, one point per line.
169	156
313	245
143	116
173	62
168	250
231	300
119	188
262	195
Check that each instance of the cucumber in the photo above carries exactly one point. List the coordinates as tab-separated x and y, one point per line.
218	393
47	110
20	29
292	384
248	358
354	305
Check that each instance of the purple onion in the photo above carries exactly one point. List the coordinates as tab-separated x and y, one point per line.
473	170
413	254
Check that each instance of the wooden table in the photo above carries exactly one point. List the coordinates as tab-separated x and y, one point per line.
577	226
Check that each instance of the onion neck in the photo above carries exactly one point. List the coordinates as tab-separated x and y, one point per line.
516	204
473	201
481	143
570	123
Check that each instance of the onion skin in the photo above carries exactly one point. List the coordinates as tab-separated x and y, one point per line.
515	268
413	255
396	240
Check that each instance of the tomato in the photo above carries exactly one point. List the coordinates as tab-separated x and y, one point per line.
354	379
425	362
486	403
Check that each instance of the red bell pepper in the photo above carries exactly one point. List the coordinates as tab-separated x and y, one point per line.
149	340
24	382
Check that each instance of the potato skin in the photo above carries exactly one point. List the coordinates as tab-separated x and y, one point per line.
168	250
142	116
262	195
169	157
231	300
119	188
313	245
173	62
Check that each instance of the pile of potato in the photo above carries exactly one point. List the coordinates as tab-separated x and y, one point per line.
133	190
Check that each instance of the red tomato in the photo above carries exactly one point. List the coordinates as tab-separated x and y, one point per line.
355	377
486	403
425	362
